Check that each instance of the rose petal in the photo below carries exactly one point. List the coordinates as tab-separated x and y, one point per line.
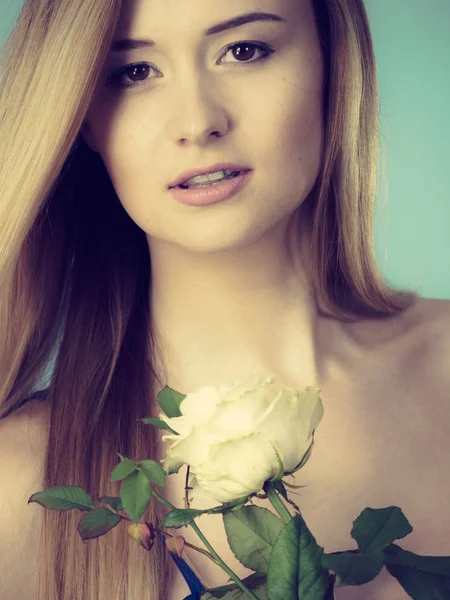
238	468
290	421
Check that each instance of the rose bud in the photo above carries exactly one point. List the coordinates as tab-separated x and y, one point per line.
175	544
141	533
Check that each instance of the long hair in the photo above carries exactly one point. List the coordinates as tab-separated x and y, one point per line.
74	279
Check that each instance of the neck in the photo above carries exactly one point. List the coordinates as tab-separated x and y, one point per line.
220	315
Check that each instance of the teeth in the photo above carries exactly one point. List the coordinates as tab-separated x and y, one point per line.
210	177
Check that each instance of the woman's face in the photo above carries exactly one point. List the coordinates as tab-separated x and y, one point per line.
265	101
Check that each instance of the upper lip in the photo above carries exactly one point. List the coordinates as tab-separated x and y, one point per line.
206	170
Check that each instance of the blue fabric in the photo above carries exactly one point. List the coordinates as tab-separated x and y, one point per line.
190	577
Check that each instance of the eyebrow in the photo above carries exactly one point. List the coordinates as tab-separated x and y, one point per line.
131	44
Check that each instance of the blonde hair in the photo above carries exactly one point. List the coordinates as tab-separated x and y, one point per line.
70	277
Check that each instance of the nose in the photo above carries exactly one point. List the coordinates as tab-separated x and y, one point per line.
197	113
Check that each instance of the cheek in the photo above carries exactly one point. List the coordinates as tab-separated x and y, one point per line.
118	131
303	117
128	154
296	141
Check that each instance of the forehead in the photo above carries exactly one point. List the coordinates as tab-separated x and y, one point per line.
159	18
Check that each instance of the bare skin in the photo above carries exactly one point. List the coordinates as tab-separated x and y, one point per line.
383	441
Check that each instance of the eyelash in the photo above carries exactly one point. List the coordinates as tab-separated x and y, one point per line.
114	78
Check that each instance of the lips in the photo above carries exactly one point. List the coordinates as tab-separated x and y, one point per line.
183	177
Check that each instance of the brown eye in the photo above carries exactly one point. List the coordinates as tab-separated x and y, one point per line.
139	70
244	51
135	72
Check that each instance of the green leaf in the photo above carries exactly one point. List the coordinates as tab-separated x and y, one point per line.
353	567
135	493
113	501
97	522
180	516
255	582
295	569
170	400
251	533
63	497
377	528
422	577
153	471
123	469
158	423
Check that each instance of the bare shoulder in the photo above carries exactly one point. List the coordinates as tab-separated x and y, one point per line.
435	310
433	329
426	353
425	319
23	444
24	433
425	326
23	441
412	346
437	315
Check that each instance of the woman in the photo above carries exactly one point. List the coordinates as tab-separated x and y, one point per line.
101	257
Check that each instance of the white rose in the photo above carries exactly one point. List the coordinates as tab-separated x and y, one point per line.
236	437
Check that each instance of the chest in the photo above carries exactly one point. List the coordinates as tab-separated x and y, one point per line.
382	441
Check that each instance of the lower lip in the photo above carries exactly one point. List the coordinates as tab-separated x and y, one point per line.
213	194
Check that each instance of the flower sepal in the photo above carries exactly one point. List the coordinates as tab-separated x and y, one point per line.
175	544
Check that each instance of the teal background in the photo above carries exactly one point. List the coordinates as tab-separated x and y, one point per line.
412	47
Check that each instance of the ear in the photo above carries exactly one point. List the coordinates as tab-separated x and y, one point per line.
87	136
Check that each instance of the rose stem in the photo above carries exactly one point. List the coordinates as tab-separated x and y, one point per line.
277	503
225	567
